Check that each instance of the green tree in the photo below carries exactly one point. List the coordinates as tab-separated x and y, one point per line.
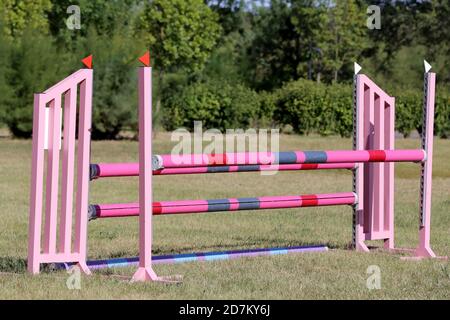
400	25
180	33
18	15
229	61
115	89
435	35
5	88
274	52
34	64
347	32
103	16
309	18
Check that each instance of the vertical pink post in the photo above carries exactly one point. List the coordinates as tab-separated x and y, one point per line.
389	144
70	117
424	249
84	145
358	172
37	179
51	195
145	271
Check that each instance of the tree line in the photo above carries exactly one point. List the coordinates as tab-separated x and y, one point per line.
227	62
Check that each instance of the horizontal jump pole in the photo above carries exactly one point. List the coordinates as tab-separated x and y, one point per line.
103	170
200	256
290	157
216	205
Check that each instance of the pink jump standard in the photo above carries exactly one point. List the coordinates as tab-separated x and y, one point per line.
47	124
145	270
371	160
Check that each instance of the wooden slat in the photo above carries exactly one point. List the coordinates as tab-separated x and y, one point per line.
51	206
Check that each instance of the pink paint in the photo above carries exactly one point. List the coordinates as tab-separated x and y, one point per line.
54	249
424	248
132	169
145	271
372	159
201	206
333	156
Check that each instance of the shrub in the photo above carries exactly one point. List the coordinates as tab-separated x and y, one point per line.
115	82
442	113
217	104
408	111
312	107
34	64
327	109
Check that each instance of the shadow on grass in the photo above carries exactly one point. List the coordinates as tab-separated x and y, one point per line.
19	265
13	264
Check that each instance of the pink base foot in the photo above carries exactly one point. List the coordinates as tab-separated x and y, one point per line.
144	274
422	253
84	268
147	274
361	246
425	252
389	244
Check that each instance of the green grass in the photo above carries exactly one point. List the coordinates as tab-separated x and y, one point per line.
340	273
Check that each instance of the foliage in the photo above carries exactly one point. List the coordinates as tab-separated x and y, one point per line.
179	32
28	74
347	37
115	85
218	105
18	15
311	107
227	62
5	88
106	17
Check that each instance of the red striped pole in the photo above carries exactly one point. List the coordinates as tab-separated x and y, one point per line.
230	204
103	170
292	157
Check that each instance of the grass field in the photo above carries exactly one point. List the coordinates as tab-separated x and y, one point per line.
337	274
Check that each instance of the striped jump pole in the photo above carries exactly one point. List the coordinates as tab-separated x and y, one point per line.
103	170
291	157
218	205
202	256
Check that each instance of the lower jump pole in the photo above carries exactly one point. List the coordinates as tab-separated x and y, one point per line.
201	256
217	205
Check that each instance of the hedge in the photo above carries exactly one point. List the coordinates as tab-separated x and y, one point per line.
327	109
217	104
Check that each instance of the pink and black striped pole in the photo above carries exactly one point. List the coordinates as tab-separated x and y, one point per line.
103	170
217	205
259	161
282	158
